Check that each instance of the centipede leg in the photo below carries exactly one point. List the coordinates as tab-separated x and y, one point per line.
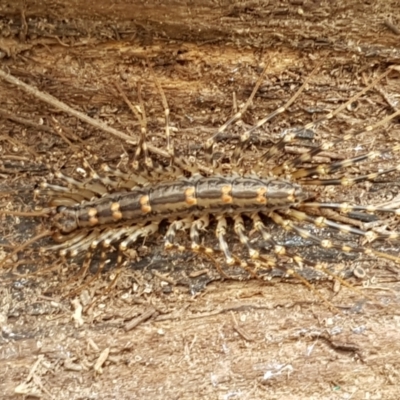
100	268
209	145
90	244
306	157
220	233
280	252
115	236
142	231
288	225
23	246
288	137
240	232
199	225
80	274
175	226
114	280
328	244
132	235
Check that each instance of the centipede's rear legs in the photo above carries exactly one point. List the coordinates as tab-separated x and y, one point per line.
281	252
245	137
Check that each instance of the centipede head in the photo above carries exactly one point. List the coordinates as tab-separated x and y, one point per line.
295	186
65	220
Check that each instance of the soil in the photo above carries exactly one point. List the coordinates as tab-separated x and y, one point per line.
171	327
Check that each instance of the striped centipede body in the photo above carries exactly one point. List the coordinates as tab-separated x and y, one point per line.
194	196
117	207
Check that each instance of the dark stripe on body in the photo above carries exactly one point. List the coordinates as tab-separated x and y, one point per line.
193	196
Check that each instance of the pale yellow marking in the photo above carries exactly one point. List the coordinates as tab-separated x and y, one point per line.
344	207
304	234
327	244
291	196
117	215
260	195
346	181
145	203
115	206
93	221
190	196
115	210
92	213
320	222
226	194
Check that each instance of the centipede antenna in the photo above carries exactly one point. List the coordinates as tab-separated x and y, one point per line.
45	212
107	212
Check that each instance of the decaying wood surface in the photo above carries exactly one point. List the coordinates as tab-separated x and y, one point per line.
236	340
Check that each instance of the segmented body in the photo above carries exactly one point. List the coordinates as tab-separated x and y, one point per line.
118	206
183	198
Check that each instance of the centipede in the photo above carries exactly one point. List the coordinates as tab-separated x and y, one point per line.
236	194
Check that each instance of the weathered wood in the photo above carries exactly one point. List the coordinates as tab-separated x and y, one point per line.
234	339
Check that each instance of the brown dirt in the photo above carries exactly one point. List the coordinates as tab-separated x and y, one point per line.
164	332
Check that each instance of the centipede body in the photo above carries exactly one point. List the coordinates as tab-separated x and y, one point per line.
117	207
187	197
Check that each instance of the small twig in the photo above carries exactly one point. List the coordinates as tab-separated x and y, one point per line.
241	331
49	99
163	277
101	360
388	100
138	320
24	26
58	130
17	143
392	27
24	121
